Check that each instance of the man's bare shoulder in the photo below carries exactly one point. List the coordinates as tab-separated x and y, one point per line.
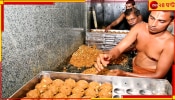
169	41
170	36
141	25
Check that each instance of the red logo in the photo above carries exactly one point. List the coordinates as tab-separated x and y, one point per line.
153	5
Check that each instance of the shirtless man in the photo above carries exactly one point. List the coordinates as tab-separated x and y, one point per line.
154	44
132	16
129	5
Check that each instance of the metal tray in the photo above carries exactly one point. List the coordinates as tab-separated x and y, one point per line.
140	86
105	40
109	31
143	86
58	75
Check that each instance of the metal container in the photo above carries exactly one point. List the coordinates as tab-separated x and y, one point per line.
140	86
104	40
58	75
110	31
121	85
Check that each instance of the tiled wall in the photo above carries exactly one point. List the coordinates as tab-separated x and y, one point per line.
36	38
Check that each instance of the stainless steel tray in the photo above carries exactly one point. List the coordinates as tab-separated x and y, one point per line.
121	85
140	86
105	40
59	75
109	31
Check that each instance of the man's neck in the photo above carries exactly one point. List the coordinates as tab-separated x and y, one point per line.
158	34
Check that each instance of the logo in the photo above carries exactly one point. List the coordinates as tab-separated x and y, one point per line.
153	5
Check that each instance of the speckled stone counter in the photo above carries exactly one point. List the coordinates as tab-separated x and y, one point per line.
38	38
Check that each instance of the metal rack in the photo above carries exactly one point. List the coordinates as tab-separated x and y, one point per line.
105	40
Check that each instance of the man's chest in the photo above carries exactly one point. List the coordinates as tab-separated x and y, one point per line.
150	46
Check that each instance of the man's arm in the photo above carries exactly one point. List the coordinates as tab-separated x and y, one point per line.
115	22
104	59
126	42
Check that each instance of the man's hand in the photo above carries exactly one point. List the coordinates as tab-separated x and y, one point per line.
116	72
107	28
102	61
